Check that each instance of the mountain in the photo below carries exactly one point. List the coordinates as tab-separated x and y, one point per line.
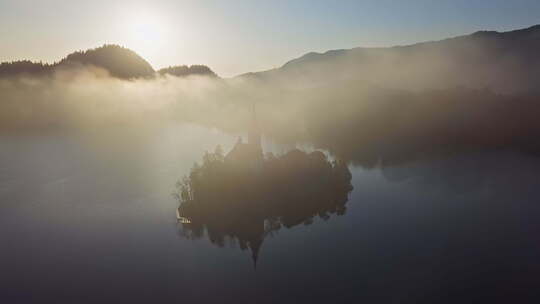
395	104
502	61
119	61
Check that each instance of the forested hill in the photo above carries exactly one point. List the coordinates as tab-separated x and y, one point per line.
119	61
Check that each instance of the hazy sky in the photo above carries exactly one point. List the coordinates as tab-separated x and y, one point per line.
233	36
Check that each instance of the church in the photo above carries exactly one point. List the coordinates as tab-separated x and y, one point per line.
248	154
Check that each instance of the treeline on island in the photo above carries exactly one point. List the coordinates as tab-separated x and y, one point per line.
120	62
245	200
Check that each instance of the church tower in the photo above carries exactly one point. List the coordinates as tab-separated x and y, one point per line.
254	135
248	154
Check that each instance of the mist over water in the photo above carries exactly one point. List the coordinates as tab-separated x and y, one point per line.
401	177
80	207
361	104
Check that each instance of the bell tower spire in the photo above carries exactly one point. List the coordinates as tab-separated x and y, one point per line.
254	135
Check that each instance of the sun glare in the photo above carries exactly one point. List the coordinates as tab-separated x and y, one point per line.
145	32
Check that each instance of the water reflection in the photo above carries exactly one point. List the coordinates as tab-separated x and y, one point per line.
465	227
245	196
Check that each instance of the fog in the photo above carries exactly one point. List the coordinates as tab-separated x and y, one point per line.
90	98
363	105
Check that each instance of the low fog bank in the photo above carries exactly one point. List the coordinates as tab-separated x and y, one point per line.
91	98
371	125
358	122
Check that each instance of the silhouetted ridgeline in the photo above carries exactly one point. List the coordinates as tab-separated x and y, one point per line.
184	70
25	67
120	62
505	62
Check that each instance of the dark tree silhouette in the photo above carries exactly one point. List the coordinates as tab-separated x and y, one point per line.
24	67
119	61
245	202
184	70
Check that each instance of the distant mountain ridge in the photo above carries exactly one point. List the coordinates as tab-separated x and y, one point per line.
119	61
527	33
504	61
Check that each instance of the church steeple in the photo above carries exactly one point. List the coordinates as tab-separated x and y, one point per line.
254	135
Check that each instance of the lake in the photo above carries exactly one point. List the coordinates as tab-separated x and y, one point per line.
89	217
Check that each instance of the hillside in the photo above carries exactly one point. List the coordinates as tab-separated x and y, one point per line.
505	62
119	61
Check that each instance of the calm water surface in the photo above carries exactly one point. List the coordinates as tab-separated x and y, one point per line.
89	218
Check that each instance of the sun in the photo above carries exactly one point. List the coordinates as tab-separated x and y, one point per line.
145	32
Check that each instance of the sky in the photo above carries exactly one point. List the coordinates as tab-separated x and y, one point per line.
235	37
